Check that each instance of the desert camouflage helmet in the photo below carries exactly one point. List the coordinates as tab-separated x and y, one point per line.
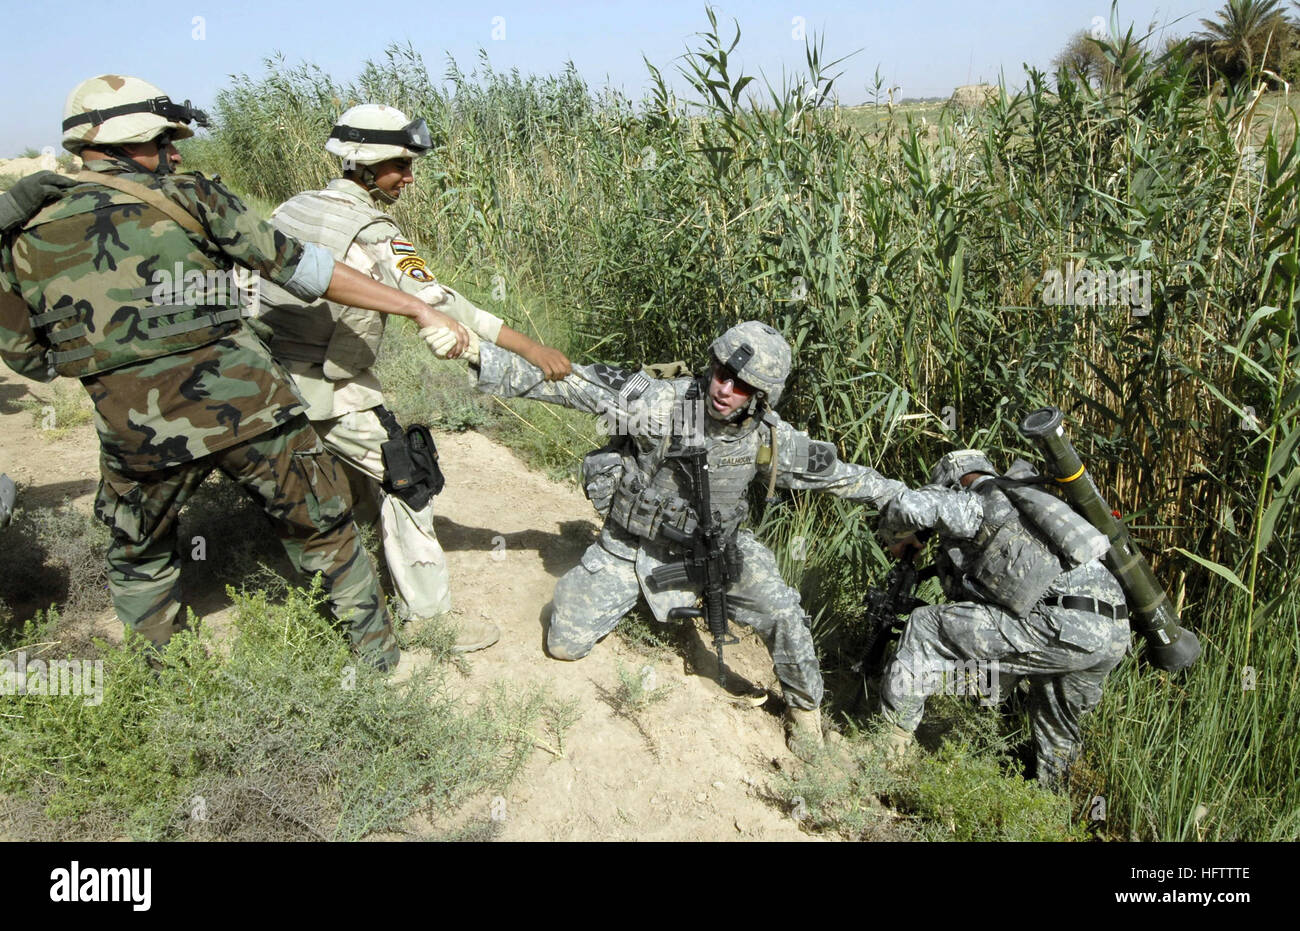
949	470
757	354
372	133
115	109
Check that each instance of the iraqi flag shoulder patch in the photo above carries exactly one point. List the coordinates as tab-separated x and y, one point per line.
401	247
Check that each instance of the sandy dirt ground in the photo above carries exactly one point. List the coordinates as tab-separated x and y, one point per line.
695	764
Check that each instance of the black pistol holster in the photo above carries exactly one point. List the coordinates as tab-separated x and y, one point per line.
411	469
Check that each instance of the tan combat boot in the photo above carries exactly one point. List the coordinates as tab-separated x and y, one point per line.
475	635
898	744
803	732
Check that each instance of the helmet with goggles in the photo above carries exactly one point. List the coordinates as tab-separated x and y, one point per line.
757	355
372	133
114	109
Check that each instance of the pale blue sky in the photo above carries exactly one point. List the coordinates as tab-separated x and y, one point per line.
926	48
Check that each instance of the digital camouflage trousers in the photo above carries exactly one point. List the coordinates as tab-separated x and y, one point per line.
592	597
944	643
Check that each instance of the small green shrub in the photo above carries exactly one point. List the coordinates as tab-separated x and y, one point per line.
282	734
67	409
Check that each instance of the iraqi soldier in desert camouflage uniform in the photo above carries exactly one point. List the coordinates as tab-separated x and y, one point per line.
1019	603
330	349
732	415
90	288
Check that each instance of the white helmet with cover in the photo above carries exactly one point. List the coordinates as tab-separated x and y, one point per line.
372	133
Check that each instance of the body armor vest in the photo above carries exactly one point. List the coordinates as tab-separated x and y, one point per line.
169	297
344	340
1009	561
653	492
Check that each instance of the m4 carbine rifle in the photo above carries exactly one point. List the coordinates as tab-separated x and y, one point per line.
712	562
886	608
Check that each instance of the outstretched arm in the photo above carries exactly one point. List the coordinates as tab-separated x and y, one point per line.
629	402
955	514
398	263
802	462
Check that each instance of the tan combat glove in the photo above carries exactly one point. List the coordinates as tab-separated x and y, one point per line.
442	340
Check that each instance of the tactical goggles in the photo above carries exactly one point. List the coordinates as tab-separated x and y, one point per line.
414	136
723	373
162	106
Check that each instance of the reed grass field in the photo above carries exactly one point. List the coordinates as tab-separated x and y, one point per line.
1129	254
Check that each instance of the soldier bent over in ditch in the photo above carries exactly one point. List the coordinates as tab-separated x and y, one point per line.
1043	612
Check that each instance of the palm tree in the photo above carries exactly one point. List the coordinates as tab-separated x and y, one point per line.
1246	33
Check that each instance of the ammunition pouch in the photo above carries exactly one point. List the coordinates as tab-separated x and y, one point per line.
411	470
735	560
688	572
646	511
1013	563
1015	569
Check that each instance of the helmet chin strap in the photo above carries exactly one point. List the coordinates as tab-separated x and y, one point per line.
366	175
752	409
117	154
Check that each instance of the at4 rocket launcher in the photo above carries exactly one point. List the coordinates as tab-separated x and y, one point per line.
1169	646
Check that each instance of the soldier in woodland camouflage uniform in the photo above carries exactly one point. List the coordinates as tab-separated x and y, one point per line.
744	438
1054	617
330	348
180	386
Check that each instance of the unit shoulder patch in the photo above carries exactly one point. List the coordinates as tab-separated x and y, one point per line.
629	385
413	266
821	458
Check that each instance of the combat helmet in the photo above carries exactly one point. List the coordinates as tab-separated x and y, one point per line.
757	354
372	133
948	471
116	109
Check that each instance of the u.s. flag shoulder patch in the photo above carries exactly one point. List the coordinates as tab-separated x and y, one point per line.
400	247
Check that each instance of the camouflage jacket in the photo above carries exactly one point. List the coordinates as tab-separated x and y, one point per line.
162	411
650	411
328	348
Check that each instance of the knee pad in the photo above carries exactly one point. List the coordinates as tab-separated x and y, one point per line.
562	649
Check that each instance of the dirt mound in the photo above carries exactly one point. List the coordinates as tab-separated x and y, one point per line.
972	95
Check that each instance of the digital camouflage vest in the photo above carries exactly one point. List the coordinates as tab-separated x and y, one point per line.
342	339
652	492
1009	561
172	296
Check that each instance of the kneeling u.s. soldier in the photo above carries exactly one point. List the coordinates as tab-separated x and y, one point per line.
182	387
651	507
330	349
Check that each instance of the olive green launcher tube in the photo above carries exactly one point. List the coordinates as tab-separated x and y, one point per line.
1169	646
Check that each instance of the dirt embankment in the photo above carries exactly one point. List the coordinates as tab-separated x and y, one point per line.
692	765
